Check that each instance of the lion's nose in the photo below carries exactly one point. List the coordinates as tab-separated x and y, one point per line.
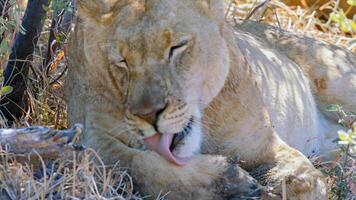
151	117
149	114
147	98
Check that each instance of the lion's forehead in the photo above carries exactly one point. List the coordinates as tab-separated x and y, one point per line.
140	36
144	43
152	16
149	27
154	11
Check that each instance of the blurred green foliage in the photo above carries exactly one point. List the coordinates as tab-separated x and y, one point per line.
345	24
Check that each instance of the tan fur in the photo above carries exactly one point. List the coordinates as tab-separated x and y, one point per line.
212	78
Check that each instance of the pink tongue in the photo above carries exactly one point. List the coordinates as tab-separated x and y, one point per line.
160	143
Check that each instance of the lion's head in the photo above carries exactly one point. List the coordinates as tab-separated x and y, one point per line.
164	66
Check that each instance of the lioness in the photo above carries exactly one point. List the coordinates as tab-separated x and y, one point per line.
194	107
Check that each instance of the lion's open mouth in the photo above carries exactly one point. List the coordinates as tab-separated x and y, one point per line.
164	144
178	137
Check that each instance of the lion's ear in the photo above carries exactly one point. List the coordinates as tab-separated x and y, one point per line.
219	7
215	7
95	8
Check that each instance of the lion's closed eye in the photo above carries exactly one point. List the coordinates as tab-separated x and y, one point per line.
118	74
121	64
179	47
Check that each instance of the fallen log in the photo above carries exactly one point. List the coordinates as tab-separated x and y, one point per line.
37	143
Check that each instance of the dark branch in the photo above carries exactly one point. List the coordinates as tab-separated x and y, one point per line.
16	72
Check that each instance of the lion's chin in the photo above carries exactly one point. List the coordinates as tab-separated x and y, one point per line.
161	143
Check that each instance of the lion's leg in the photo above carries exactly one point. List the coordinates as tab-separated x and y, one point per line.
289	172
274	163
205	177
332	76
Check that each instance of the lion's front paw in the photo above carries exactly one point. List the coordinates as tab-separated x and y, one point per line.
235	183
304	186
205	177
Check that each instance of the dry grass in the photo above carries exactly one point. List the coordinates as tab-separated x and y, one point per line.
78	176
297	20
83	176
